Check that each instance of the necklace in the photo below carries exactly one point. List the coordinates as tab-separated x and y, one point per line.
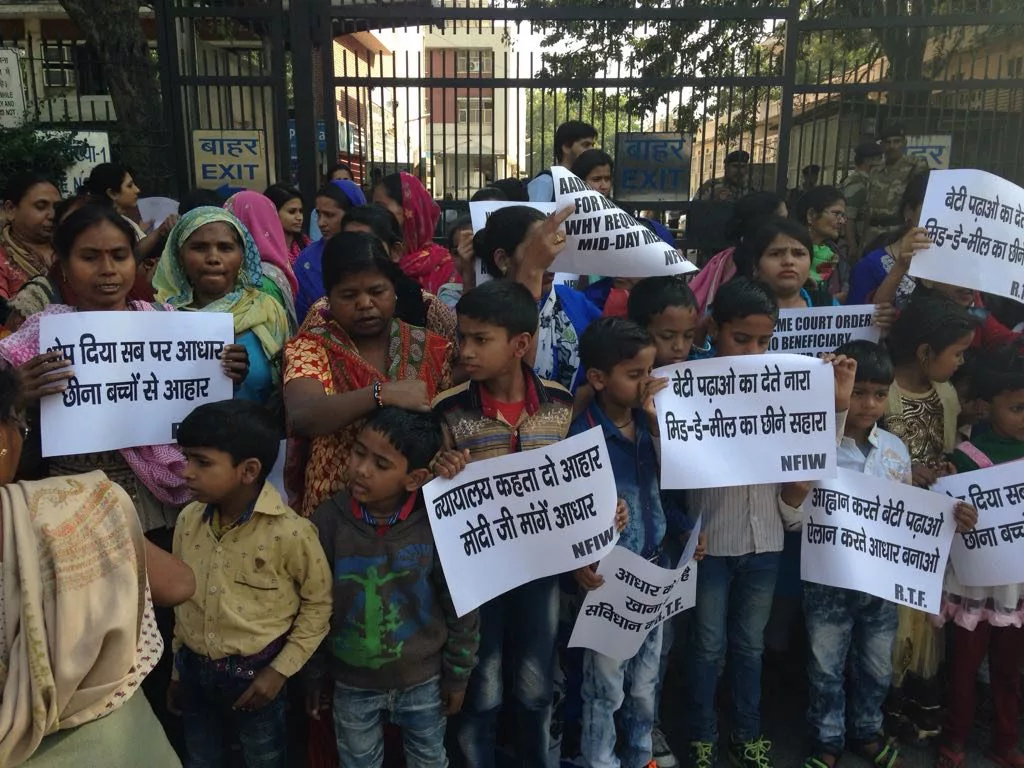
624	424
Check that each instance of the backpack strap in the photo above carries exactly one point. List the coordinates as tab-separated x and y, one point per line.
971	451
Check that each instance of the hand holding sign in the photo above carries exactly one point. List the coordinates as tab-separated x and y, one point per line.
45	374
538	251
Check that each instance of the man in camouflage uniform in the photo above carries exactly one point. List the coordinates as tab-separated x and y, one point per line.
733	185
881	213
866	158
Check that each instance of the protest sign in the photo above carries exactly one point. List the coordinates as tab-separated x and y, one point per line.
814	330
137	375
503	522
636	597
992	553
746	421
605	240
888	539
976	222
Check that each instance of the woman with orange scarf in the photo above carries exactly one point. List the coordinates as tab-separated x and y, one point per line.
358	358
426	262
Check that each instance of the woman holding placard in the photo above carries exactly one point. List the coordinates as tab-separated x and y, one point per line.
211	264
360	357
565	312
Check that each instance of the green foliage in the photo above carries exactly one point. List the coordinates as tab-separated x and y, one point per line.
38	149
547	109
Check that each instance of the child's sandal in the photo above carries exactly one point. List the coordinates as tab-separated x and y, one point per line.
817	762
887	754
949	758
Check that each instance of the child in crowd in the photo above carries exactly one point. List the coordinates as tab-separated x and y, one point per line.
744	527
844	622
504	408
988	620
618	356
263	589
667	309
927	344
397	649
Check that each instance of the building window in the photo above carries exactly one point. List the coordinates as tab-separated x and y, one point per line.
67	65
475	110
471	61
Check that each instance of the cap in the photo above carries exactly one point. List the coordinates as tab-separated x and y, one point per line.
739	156
892	130
869	149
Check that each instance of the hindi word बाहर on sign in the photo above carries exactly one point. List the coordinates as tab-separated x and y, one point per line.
137	375
605	240
503	522
746	421
976	222
821	329
888	539
636	597
992	553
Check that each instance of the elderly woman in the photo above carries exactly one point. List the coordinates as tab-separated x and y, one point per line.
73	575
212	264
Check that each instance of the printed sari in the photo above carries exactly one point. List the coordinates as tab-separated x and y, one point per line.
325	353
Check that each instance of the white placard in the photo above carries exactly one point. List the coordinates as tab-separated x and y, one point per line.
888	539
156	210
12	89
636	597
976	222
605	240
992	553
137	376
503	522
814	330
480	211
747	421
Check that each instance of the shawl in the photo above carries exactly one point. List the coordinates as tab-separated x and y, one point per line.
258	214
426	262
74	580
159	467
20	255
251	308
298	244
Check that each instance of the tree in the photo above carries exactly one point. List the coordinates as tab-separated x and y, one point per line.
39	149
113	30
548	108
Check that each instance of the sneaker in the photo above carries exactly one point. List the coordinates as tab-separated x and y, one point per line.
702	754
663	757
751	754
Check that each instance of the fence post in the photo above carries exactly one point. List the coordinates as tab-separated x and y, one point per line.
167	55
301	24
789	64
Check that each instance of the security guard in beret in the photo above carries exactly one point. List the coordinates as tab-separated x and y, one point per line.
881	212
733	185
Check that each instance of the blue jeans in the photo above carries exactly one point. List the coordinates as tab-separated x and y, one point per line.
206	695
527	617
358	724
842	622
627	687
734	600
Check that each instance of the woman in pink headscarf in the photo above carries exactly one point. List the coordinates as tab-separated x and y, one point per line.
259	215
426	262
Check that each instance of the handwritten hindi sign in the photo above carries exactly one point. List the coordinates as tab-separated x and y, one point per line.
992	553
976	222
888	539
12	89
229	160
821	329
503	522
605	240
137	376
652	167
746	421
636	597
